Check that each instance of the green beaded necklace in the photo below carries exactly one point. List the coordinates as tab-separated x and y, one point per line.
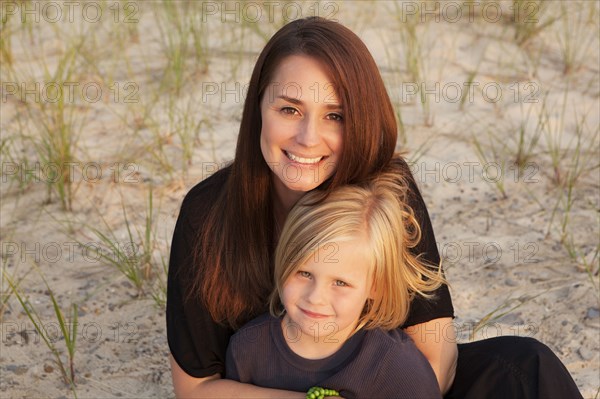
320	393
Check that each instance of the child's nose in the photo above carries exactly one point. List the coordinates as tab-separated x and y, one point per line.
316	295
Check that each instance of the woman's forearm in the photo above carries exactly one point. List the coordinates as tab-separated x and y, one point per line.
215	387
220	388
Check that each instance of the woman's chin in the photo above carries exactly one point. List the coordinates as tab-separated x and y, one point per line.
301	187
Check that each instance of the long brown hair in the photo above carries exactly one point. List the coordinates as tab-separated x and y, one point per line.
234	255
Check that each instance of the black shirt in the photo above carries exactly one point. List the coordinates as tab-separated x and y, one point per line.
197	343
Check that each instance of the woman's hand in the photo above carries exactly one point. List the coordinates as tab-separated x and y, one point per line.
436	339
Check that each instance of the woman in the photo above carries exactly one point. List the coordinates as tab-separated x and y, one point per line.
317	115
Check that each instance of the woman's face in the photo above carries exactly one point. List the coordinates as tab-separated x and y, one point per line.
302	126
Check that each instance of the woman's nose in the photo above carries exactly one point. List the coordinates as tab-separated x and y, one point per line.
308	135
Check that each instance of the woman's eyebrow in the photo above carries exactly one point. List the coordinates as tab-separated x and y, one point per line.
290	99
293	100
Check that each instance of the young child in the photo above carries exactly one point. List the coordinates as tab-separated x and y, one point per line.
344	278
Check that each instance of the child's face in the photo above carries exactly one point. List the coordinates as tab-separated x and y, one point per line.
325	296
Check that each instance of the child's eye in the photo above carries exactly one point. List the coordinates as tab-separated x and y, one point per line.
340	283
302	273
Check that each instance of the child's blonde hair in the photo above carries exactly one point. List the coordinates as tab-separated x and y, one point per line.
378	211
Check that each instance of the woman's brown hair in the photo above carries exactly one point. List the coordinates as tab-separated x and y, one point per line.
234	255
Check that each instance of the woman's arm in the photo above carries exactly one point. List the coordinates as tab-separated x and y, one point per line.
436	339
187	386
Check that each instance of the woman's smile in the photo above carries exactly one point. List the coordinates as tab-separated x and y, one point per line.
303	159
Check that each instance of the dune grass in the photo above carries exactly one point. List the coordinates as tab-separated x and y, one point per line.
132	248
506	307
411	31
577	33
529	18
53	121
67	321
9	281
184	41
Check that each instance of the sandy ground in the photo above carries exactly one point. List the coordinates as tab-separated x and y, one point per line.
506	256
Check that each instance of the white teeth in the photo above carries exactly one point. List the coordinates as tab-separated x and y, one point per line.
302	160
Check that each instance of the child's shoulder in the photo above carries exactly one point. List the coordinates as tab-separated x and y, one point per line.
254	330
396	335
394	348
263	319
395	339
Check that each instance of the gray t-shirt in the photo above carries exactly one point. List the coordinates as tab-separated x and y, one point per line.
371	364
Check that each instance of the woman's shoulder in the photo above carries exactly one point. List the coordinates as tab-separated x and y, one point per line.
400	169
200	198
400	166
193	212
399	161
208	188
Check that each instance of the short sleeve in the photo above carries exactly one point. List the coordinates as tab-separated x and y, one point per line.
405	373
197	343
440	305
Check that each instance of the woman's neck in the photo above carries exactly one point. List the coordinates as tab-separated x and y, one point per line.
284	200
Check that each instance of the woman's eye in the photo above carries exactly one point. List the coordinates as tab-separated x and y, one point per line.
304	274
340	283
335	117
289	110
